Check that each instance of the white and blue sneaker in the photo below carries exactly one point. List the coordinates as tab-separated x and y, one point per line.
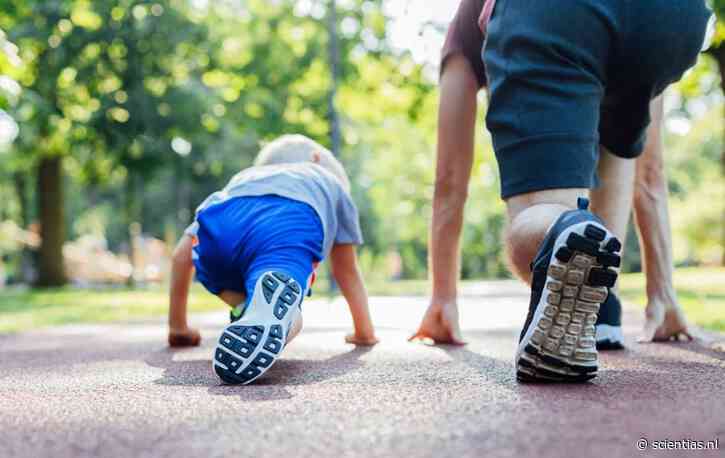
609	324
576	263
254	339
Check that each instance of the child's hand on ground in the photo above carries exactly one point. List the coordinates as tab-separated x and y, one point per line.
667	321
440	324
188	337
364	340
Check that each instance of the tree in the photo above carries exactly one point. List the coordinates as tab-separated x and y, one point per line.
112	83
136	111
42	67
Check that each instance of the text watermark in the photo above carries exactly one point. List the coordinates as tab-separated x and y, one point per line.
678	444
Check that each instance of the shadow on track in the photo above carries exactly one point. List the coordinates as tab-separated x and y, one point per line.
285	373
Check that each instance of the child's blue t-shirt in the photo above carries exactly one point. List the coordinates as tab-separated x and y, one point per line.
305	182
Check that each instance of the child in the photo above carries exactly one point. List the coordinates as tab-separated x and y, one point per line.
256	244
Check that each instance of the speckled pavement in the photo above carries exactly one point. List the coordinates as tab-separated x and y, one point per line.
118	391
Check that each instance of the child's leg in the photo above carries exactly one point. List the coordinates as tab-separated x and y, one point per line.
276	263
292	264
269	319
252	343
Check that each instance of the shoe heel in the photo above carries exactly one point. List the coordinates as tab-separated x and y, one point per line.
562	347
249	347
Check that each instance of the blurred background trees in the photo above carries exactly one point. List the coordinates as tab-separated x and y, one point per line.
133	111
717	51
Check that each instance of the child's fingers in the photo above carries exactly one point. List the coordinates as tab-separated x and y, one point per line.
191	339
366	342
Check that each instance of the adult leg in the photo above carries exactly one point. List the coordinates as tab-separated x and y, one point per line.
642	184
572	255
612	201
530	217
543	115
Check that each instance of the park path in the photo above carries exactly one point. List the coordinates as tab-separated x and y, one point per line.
117	391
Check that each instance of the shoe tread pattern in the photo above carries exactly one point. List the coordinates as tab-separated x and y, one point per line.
235	354
562	347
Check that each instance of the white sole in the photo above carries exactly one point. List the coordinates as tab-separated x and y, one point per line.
560	342
247	348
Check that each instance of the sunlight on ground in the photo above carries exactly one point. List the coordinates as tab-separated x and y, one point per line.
702	292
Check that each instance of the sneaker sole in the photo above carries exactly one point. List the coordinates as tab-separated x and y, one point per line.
248	347
559	345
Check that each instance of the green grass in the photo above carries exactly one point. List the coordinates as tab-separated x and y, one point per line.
701	291
21	310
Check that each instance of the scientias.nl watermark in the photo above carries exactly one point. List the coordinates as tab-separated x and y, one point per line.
678	444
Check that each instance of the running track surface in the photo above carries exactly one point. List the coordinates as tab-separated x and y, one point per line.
118	391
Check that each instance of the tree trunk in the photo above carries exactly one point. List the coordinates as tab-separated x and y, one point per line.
51	271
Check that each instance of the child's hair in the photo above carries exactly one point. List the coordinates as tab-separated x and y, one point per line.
298	148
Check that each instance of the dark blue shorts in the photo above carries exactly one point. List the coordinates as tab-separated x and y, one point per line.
240	239
568	76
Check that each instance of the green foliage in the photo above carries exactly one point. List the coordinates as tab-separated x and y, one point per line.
718	6
102	79
696	188
9	91
153	105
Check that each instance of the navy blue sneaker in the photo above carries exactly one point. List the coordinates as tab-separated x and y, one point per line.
254	339
609	324
576	263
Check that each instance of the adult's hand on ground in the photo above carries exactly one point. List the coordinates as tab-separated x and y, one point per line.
440	324
666	321
188	337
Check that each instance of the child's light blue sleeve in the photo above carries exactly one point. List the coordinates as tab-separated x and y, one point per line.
192	230
348	222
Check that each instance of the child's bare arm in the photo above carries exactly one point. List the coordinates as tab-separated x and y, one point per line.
343	261
182	269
